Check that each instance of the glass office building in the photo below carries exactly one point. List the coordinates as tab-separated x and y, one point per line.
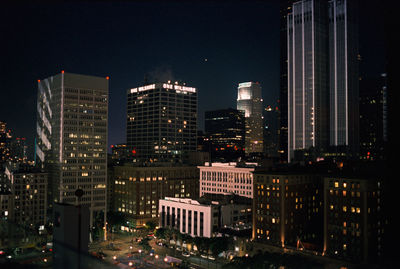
71	138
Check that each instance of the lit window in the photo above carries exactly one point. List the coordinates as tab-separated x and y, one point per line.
344	208
336	184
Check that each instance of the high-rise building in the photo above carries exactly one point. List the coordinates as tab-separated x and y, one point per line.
271	131
284	8
250	100
71	139
343	76
308	77
5	142
162	121
322	78
225	131
373	131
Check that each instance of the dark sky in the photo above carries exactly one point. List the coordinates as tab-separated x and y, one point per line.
127	40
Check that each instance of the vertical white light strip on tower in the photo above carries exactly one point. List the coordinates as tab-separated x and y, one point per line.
303	74
313	73
61	117
294	81
335	131
288	80
345	74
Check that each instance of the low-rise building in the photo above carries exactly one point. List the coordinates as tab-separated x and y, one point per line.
287	209
225	178
353	222
137	189
204	217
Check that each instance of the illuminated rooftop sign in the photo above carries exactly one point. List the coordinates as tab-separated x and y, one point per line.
144	88
178	88
244	84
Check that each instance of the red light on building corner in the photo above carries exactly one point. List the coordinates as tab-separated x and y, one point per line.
133	151
107	77
62	71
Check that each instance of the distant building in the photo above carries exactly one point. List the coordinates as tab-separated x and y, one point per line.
121	153
5	143
225	130
204	217
288	209
250	100
353	218
373	117
137	190
27	199
162	122
271	131
227	178
71	138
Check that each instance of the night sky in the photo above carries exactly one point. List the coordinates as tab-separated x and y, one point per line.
210	45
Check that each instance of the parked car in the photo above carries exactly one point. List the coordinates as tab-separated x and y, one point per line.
186	254
210	257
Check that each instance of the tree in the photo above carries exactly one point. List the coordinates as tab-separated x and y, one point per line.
144	244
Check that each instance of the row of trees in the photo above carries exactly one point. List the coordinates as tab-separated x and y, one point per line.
214	245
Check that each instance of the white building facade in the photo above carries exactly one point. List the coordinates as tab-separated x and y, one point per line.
223	178
188	216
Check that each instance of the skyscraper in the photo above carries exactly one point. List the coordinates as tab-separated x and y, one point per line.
225	130
308	88
71	142
284	8
343	75
162	121
250	100
322	77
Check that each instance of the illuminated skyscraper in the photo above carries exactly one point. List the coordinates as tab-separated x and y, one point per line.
162	122
250	100
71	139
343	77
322	77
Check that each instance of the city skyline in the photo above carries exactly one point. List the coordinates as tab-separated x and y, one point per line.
241	133
217	50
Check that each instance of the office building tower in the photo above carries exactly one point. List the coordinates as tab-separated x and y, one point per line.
224	178
308	77
343	76
5	143
373	118
225	130
250	100
284	8
271	131
162	122
71	139
323	78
